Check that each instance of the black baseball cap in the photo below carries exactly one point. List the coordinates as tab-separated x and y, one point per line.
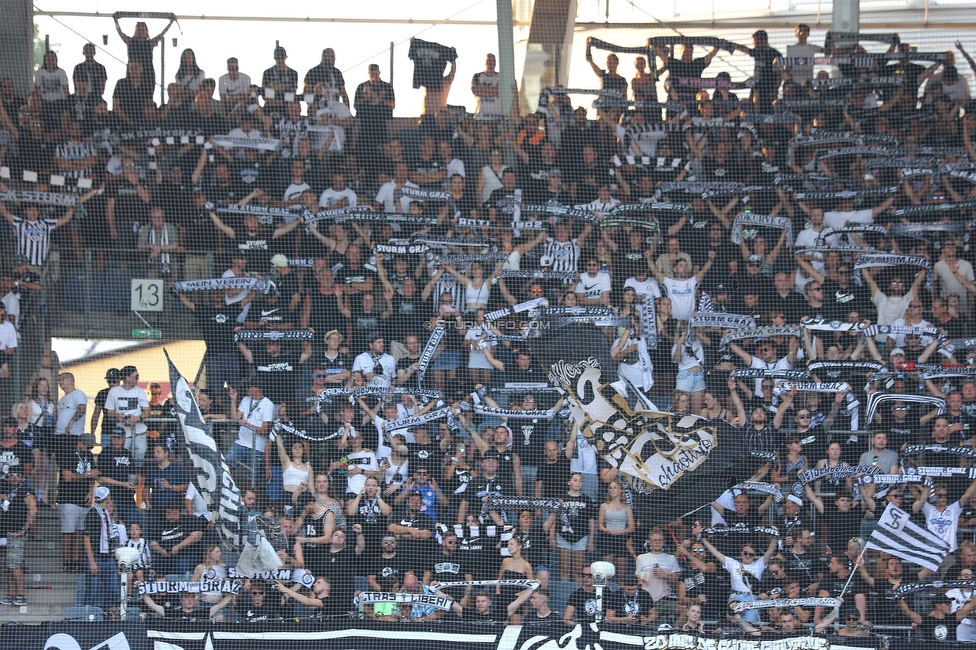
113	374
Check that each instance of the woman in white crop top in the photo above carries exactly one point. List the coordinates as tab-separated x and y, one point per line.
294	470
477	289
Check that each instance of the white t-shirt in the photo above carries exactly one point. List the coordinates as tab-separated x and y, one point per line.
900	338
52	84
742	576
593	288
330	197
658	588
365	363
128	402
943	524
364	460
67	408
841	219
256	413
234	87
682	295
8	335
648	286
781	364
387	194
801	73
487	105
641	373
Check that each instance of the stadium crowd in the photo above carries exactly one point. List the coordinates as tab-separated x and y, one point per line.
716	211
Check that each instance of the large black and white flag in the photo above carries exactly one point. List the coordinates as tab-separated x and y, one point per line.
211	477
897	535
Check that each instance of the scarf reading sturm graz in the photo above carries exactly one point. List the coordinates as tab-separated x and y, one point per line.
812	601
428	354
818	387
285	575
523	584
812	475
511	413
915	450
765	488
561	211
274	335
843	230
727	530
722	320
200	587
762	373
894	479
749	219
337	215
223	284
518	504
417	420
873	260
895	330
45	198
420	194
759	332
940	372
959	344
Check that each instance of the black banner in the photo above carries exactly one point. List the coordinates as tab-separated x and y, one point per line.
341	633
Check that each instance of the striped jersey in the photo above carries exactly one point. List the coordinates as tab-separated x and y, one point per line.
34	238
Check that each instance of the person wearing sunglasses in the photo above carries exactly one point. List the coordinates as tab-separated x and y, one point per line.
700	584
892	302
942	516
745	573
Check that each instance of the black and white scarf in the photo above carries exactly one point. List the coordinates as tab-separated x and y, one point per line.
428	354
555	276
915	587
873	260
949	450
942	372
709	82
465	259
796	105
843	230
520	308
521	584
563	211
530	414
739	529
518	504
759	332
262	144
847	194
812	601
895	330
417	420
708	41
301	576
850	366
876	399
835	82
425	394
224	284
274	335
811	475
894	479
108	541
369	597
763	373
43	198
183	587
648	318
818	387
852	151
765	488
256	210
750	220
280	428
959	344
721	320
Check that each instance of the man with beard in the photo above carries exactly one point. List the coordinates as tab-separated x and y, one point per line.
801	559
450	566
893	304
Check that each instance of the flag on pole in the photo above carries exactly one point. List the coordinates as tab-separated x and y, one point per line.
240	531
896	534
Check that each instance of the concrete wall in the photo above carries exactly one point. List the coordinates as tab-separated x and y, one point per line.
17	43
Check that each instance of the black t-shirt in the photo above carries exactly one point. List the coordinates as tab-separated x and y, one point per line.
168	534
117	464
690	69
840	527
217	327
130	210
133	100
472	615
382	567
279	374
839	302
554	477
449	568
530	440
424	455
579	511
942	630
584	605
74	492
269	611
765	74
16	515
347	275
340	569
622	605
16	457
